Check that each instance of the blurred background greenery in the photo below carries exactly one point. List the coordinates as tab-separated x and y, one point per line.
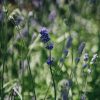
80	18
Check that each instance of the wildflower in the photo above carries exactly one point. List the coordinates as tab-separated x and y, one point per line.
77	60
93	60
86	57
81	48
49	46
44	35
50	61
69	42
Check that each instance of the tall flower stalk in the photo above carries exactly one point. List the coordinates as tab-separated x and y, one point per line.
45	38
53	80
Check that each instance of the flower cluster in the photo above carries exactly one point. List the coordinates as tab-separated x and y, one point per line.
45	38
44	35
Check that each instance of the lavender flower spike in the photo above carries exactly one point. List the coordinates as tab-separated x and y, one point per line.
81	48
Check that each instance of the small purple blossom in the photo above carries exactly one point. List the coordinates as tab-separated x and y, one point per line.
50	61
81	48
69	42
77	60
49	46
65	52
86	57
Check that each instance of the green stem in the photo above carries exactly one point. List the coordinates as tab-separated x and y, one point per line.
54	85
32	79
22	82
2	91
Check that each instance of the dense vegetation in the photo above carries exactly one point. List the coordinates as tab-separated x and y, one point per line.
49	49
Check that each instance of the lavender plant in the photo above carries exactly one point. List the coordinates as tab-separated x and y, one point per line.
73	65
45	38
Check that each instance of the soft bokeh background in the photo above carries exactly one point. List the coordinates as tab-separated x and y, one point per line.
80	18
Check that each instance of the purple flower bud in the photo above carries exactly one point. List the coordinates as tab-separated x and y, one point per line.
69	42
49	46
86	57
44	31
81	48
65	52
77	60
50	61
